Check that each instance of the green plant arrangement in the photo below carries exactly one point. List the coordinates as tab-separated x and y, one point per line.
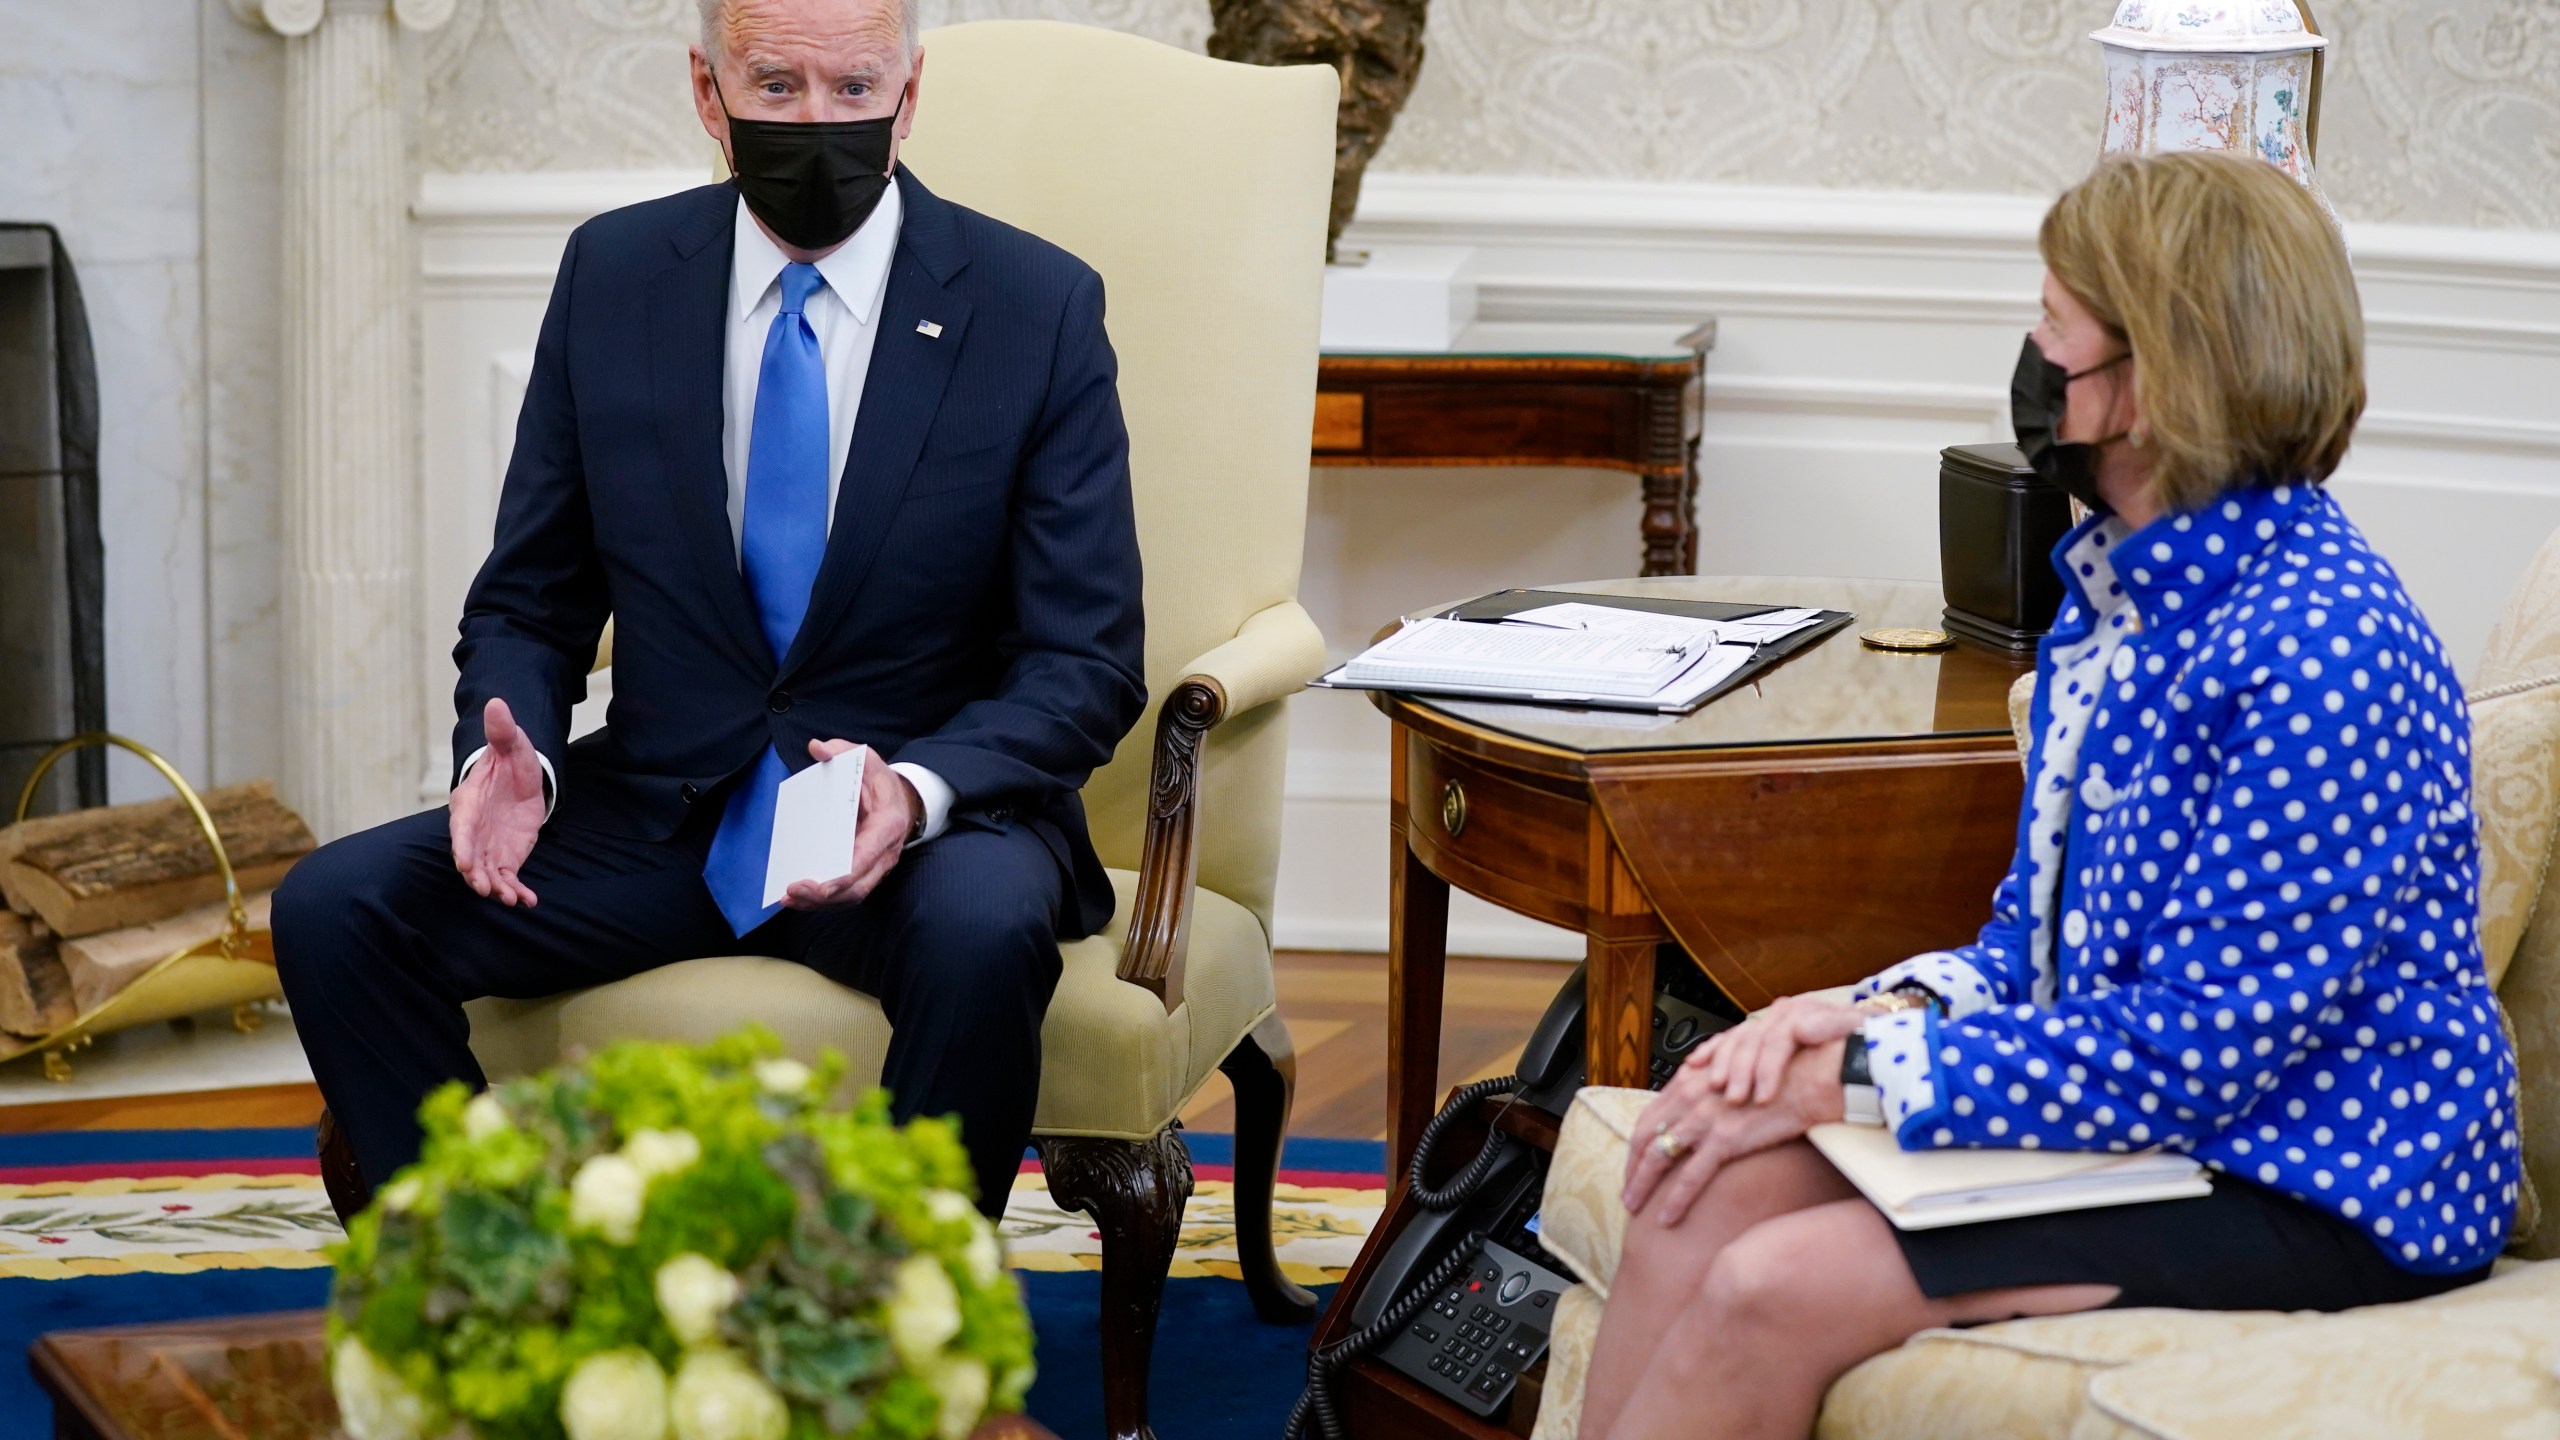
676	1243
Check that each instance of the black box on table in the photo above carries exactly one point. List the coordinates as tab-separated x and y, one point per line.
1997	525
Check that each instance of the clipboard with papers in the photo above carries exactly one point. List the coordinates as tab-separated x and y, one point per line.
1601	652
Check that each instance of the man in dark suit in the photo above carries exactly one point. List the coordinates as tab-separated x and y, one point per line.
845	464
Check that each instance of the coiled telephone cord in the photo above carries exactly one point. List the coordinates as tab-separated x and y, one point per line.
1316	1402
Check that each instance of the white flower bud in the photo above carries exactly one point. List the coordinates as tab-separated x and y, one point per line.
718	1396
693	1293
948	1205
373	1403
661	1152
484	1117
923	1310
615	1395
783	1077
402	1194
961	1384
984	1254
1014	1384
605	1196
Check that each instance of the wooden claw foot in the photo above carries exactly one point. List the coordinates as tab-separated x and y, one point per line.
1135	1193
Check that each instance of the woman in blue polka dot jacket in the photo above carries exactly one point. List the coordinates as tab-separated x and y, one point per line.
2240	921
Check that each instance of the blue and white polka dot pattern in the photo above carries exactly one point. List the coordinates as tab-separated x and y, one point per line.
1942	973
2241	922
1898	1050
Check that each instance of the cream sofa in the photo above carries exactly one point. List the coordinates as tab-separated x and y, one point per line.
2477	1362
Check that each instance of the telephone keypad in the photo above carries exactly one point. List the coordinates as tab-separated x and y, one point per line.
1491	1326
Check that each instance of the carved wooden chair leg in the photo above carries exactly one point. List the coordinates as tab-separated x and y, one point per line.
1264	1070
338	1173
1135	1194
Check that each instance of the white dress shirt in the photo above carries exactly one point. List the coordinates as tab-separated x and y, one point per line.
844	316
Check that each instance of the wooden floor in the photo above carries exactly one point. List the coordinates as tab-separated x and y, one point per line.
1336	1006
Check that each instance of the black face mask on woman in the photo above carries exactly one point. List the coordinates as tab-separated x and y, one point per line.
812	182
2039	393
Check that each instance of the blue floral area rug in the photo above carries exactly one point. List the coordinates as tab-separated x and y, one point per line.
128	1227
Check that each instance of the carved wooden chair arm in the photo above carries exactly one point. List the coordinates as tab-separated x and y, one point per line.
1273	656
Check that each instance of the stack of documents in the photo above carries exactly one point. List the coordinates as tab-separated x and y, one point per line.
1574	654
1922	1190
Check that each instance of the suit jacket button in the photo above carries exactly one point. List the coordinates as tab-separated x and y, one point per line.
688	792
778	702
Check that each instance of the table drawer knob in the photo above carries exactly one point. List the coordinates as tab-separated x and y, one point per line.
1453	808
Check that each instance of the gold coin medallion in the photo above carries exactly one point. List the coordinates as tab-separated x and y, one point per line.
1907	638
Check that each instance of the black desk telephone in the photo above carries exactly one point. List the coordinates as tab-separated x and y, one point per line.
1464	1298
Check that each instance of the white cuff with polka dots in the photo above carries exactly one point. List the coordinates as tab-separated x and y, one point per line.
1899	1063
1942	973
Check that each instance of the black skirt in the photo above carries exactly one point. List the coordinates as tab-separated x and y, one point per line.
2244	1247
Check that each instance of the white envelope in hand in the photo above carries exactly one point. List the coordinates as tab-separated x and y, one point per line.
813	819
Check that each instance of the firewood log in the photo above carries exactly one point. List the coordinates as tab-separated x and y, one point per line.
105	963
35	989
90	871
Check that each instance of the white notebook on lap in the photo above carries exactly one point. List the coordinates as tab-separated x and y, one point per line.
1924	1189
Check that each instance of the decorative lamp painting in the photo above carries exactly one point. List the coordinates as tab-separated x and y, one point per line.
2238	75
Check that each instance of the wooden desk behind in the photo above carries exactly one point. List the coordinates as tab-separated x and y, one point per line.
1850	808
1508	395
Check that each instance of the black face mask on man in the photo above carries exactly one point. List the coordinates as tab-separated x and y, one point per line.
812	182
2039	393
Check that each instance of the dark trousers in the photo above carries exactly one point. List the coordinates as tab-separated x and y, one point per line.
379	942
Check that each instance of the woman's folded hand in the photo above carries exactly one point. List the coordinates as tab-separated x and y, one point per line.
1747	1063
1692	1129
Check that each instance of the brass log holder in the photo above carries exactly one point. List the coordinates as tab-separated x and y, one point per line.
236	968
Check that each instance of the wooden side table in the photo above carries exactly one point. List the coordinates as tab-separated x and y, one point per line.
1616	406
1850	808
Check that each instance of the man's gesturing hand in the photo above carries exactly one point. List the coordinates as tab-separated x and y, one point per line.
889	809
495	814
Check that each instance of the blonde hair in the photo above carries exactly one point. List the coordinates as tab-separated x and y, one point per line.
2232	290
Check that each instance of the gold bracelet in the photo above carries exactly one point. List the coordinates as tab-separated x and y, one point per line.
1890	1002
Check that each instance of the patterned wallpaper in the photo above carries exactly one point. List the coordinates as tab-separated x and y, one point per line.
2438	111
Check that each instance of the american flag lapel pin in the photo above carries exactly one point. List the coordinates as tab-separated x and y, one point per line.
929	329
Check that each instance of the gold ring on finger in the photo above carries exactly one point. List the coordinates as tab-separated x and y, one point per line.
1668	1144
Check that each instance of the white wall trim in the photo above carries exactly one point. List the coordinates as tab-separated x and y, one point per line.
1535	206
1489	939
1503	215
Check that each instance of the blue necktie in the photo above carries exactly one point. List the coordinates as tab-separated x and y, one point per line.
781	539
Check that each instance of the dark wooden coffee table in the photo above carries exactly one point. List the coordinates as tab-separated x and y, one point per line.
246	1377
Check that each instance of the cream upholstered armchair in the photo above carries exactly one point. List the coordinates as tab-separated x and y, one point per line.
2477	1361
1199	190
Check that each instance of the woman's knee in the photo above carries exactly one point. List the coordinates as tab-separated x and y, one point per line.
1758	1280
1748	1190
